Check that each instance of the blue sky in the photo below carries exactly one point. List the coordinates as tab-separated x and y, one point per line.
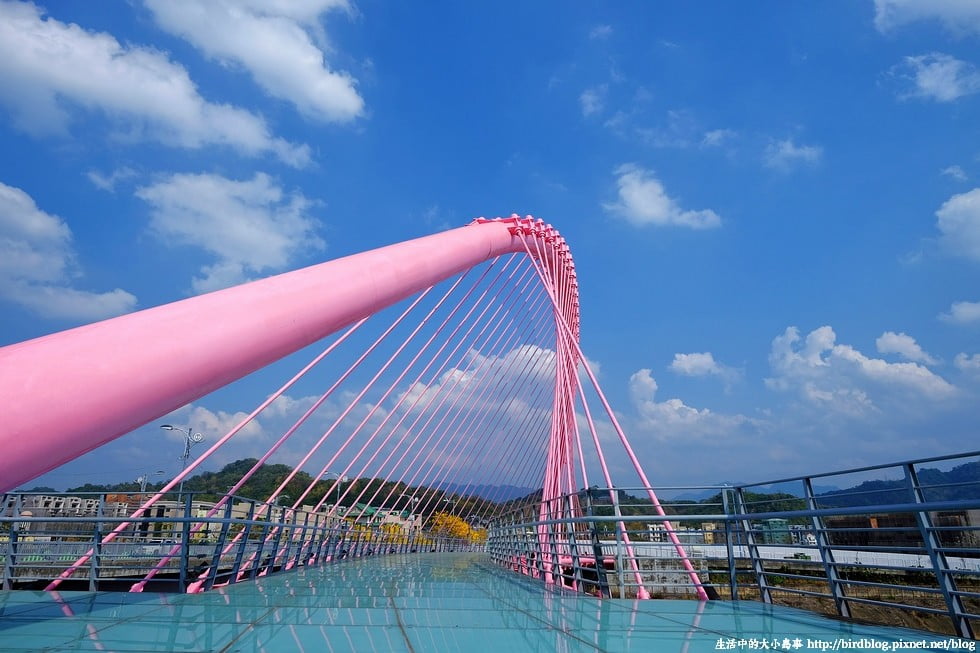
774	207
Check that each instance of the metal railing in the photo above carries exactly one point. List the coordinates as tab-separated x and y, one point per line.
175	548
902	547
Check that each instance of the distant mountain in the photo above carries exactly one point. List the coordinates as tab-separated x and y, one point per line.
961	482
498	493
792	488
795	488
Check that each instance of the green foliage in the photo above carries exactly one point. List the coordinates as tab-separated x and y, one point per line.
395	495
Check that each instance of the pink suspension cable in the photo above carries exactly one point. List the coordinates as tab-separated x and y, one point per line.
138	587
524	445
462	435
411	428
263	508
354	402
433	411
481	449
464	320
453	416
479	414
685	561
525	442
400	376
67	573
641	590
437	433
398	404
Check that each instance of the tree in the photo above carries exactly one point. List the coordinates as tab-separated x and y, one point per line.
449	525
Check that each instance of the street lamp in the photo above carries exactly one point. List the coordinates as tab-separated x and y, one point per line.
412	517
414	499
143	478
190	439
340	479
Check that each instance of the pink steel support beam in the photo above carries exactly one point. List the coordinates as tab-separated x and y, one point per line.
78	389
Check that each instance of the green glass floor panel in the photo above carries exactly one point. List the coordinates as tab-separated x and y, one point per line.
415	602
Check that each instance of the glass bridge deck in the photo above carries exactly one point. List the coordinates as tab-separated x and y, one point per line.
416	602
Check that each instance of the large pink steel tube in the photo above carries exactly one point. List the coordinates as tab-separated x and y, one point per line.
70	392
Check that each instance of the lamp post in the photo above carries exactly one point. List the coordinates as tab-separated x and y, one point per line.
339	477
411	516
143	478
414	499
190	439
282	510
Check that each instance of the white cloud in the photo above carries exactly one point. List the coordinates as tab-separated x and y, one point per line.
785	155
468	380
962	313
216	424
674	420
592	100
643	200
273	42
838	378
955	172
717	137
248	226
959	16
681	130
905	346
48	68
959	224
967	363
601	32
37	264
702	364
108	182
936	76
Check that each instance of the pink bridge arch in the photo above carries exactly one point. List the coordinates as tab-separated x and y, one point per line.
79	389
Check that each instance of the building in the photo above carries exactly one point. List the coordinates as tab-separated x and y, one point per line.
773	531
714	532
366	515
81	508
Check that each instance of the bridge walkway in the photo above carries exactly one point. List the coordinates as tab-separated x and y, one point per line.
412	602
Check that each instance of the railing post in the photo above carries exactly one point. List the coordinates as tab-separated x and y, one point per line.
826	553
10	558
218	547
185	549
572	544
96	561
316	539
290	536
757	568
243	545
600	567
940	567
726	503
253	569
554	568
276	543
8	565
307	539
620	544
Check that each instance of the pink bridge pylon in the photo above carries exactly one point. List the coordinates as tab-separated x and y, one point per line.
71	392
